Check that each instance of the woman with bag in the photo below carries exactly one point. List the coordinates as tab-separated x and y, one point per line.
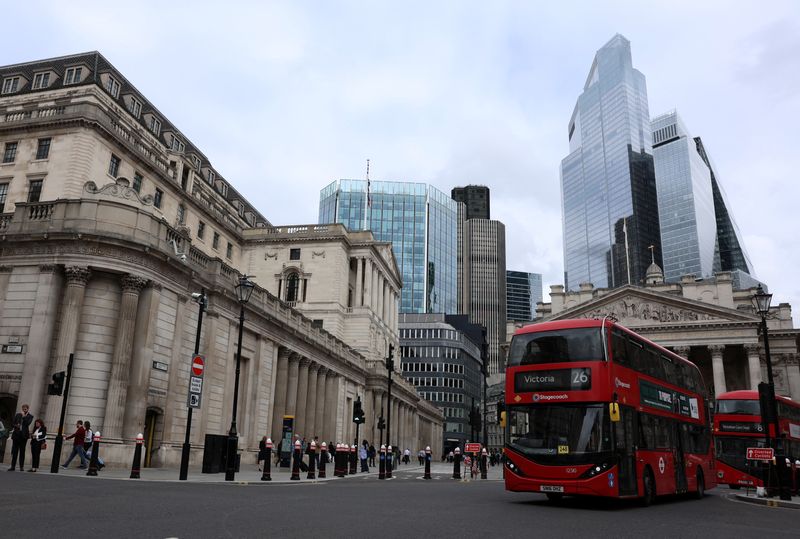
38	442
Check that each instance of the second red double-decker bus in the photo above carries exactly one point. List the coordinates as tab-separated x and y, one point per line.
595	409
737	426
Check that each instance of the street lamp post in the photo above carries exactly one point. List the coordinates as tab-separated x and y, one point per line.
243	291
202	300
761	302
485	373
389	368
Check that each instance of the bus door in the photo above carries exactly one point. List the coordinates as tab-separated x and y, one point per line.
678	435
624	431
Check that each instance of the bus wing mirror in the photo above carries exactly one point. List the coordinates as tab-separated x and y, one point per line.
613	411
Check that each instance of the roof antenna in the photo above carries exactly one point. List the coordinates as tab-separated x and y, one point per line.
652	253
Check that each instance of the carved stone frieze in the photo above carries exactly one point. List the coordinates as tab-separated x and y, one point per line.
267	256
48	268
132	283
315	254
77	275
631	309
120	189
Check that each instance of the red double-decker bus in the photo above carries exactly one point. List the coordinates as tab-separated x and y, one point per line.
595	409
737	426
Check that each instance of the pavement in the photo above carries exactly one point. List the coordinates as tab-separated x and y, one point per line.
249	474
750	497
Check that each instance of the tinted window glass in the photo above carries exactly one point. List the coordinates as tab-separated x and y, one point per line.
749	407
581	344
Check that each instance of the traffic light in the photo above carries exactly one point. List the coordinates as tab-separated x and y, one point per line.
389	359
358	413
501	408
381	423
503	419
57	387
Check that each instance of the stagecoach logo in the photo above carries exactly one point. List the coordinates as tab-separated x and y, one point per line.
661	464
620	383
537	397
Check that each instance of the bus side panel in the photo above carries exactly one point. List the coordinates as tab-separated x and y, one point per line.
663	468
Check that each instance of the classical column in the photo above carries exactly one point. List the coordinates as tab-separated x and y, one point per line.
281	386
367	282
359	282
319	409
331	398
754	364
380	293
386	309
117	394
69	321
379	410
142	363
369	415
375	289
311	401
395	422
302	395
718	368
793	370
40	339
291	390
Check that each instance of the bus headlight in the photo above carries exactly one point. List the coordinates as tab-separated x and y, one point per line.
513	467
597	469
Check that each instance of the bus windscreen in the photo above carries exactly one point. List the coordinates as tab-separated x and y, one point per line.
578	344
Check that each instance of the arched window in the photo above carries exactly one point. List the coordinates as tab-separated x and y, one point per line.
292	286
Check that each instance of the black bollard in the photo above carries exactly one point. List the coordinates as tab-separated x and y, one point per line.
311	458
136	466
323	460
389	461
298	454
353	460
382	463
95	455
484	463
267	475
427	463
457	464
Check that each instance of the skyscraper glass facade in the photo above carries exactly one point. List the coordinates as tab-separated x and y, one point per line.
523	292
420	222
608	191
698	233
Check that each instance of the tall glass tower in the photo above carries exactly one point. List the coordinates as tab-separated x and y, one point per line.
523	292
698	233
420	222
608	189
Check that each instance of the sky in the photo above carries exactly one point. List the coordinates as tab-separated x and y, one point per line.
285	97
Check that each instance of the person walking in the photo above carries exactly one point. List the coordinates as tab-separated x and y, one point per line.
38	442
87	437
362	456
407	456
262	451
371	455
19	436
77	438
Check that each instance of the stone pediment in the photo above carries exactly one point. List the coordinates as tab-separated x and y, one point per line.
635	306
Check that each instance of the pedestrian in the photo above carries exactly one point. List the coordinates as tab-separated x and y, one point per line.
421	456
407	456
38	442
371	455
19	436
88	437
262	451
362	456
77	438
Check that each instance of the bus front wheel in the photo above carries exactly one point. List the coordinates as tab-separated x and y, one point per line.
649	488
701	486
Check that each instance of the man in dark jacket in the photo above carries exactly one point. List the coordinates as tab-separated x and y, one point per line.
19	436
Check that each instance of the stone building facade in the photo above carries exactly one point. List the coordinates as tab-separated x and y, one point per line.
110	220
708	321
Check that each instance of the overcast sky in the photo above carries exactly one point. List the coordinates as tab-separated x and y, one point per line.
285	97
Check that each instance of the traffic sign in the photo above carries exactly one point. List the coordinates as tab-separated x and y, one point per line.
472	448
196	381
760	453
198	365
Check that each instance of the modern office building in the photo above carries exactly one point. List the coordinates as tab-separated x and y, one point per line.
475	198
111	220
523	292
698	233
484	284
421	224
608	188
441	357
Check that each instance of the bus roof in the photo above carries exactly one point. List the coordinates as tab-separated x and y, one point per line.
752	395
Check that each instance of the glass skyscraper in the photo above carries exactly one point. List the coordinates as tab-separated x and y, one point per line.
523	292
698	233
420	222
608	189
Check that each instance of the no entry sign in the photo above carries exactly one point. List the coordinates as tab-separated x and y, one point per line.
196	382
760	453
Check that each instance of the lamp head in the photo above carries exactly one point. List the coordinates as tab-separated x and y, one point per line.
244	289
761	301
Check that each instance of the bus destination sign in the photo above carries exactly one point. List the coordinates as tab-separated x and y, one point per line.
553	380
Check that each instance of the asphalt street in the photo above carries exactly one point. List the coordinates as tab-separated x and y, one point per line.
44	505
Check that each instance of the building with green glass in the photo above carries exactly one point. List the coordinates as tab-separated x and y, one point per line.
420	221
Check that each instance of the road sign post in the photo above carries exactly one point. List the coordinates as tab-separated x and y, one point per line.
196	381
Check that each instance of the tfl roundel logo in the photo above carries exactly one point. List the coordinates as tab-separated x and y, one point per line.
536	397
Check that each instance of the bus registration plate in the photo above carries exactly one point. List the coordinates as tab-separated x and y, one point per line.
551	488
